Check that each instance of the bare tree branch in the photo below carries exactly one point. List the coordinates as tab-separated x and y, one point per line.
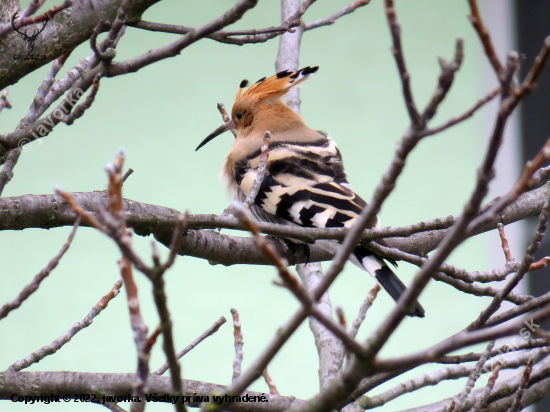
485	38
350	8
46	211
434	378
404	75
57	344
473	377
174	48
239	342
209	332
367	303
269	382
43	274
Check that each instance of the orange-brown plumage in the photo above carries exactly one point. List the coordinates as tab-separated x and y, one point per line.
260	108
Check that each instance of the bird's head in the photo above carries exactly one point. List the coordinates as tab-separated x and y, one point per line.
262	104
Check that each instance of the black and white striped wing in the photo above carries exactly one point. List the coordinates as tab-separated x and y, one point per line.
304	184
321	205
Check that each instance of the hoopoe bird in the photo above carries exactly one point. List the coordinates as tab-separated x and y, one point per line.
305	182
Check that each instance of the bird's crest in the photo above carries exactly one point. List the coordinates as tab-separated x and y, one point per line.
274	87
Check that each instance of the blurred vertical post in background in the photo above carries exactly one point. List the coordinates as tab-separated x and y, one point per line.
533	25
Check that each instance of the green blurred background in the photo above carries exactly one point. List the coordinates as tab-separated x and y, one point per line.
161	113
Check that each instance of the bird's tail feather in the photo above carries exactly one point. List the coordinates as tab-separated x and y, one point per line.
385	276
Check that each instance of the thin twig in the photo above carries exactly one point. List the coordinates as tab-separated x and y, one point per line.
7	170
506	348
239	342
463	339
79	110
485	38
140	331
151	340
116	219
458	278
241	37
444	82
208	332
522	270
452	271
159	295
114	407
57	344
404	75
521	309
541	264
100	55
504	242
260	172
481	401
270	384
116	28
477	290
225	116
516	406
341	317
4	102
35	110
34	285
127	174
435	378
168	339
231	16
367	303
466	115
350	8
474	375
13	155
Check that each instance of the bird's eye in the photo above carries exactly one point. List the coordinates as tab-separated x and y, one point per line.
239	116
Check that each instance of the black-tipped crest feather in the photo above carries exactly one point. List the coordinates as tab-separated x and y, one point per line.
274	87
282	74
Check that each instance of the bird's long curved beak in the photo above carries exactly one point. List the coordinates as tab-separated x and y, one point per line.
223	128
